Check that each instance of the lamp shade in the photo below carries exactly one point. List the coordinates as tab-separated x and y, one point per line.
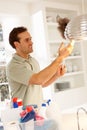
76	29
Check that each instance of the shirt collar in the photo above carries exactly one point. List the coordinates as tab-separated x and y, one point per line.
21	58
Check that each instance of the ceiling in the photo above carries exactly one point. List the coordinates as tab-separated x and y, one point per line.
68	1
63	1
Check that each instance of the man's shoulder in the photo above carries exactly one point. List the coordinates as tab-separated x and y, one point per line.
13	61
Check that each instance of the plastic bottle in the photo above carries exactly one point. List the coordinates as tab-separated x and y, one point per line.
14	102
27	114
19	102
53	112
42	111
48	102
8	103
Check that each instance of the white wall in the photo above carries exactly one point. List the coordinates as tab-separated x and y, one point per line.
13	7
13	13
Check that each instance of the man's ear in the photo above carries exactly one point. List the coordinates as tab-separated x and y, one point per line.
15	44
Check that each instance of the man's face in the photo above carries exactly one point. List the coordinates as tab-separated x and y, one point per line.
25	43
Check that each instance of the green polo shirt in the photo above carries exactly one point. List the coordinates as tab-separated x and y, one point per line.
19	71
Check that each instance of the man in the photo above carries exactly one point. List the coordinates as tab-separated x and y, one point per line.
23	72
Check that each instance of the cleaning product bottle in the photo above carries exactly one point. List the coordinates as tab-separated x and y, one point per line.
14	102
27	114
48	102
53	112
42	111
19	102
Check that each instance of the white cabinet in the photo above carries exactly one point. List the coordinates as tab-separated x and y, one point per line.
75	67
47	38
4	88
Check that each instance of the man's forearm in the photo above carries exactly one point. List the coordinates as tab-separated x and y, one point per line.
46	74
50	81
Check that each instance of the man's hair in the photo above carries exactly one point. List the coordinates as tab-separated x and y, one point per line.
13	35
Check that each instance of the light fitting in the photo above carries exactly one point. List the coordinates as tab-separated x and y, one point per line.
76	29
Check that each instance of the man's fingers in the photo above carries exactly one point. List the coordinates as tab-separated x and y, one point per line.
61	46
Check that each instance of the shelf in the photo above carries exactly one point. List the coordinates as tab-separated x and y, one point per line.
74	73
73	57
52	24
68	58
68	89
4	83
54	42
2	64
57	42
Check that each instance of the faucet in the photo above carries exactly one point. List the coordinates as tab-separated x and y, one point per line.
81	108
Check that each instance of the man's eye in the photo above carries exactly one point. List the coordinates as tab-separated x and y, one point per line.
29	39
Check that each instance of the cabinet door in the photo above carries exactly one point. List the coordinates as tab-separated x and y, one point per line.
4	87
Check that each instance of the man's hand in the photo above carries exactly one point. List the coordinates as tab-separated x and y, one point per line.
65	51
61	71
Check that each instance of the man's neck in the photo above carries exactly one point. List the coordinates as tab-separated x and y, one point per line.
23	56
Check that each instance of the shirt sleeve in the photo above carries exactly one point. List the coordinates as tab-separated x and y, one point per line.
20	73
